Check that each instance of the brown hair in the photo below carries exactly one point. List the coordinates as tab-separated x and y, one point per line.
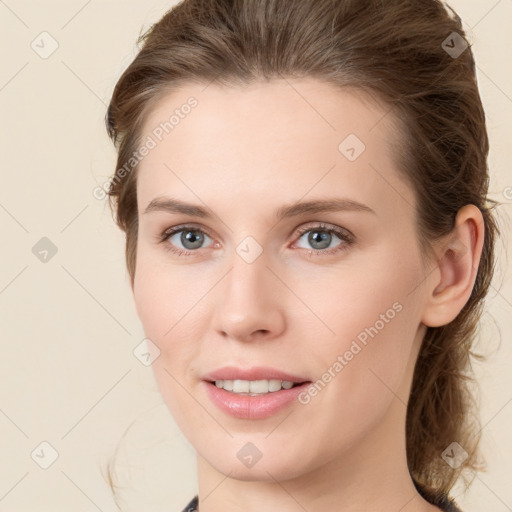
395	51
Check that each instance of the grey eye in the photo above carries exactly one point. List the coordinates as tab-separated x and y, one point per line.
189	238
318	238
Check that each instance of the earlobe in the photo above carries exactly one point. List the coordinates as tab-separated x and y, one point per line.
450	286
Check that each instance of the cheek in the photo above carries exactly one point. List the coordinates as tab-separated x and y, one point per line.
164	305
361	368
169	303
370	319
160	295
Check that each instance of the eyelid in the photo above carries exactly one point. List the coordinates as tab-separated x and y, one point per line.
300	230
324	226
182	227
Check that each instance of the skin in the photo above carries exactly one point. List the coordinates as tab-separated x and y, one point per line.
242	153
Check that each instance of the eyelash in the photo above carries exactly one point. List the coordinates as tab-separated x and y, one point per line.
343	235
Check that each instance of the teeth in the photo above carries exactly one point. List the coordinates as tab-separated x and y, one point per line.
253	387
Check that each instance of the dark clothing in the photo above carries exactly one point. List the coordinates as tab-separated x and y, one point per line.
445	503
192	506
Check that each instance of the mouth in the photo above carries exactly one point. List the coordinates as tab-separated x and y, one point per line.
253	393
253	381
259	387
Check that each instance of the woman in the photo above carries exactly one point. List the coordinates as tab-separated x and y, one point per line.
303	187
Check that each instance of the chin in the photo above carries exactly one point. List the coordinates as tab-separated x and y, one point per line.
266	469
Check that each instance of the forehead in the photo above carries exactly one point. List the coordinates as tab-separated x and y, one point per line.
282	139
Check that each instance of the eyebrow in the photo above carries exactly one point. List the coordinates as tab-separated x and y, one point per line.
172	205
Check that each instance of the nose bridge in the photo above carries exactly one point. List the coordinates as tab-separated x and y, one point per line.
247	280
248	300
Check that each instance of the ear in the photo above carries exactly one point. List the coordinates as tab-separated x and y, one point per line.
450	284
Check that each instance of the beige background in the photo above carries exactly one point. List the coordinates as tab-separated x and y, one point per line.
68	326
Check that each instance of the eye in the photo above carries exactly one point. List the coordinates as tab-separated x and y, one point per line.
321	236
191	238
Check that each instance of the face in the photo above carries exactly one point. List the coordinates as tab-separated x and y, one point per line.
330	296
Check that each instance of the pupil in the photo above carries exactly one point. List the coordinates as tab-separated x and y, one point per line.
191	237
323	237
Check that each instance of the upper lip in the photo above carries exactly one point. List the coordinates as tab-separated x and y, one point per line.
254	373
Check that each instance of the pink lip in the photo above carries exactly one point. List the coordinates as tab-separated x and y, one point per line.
252	407
256	373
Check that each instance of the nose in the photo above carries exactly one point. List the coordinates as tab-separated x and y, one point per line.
250	302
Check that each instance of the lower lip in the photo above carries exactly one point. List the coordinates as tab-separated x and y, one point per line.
253	407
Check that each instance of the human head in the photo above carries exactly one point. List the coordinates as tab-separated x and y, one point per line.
392	51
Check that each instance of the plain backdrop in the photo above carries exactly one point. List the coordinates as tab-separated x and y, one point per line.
73	396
